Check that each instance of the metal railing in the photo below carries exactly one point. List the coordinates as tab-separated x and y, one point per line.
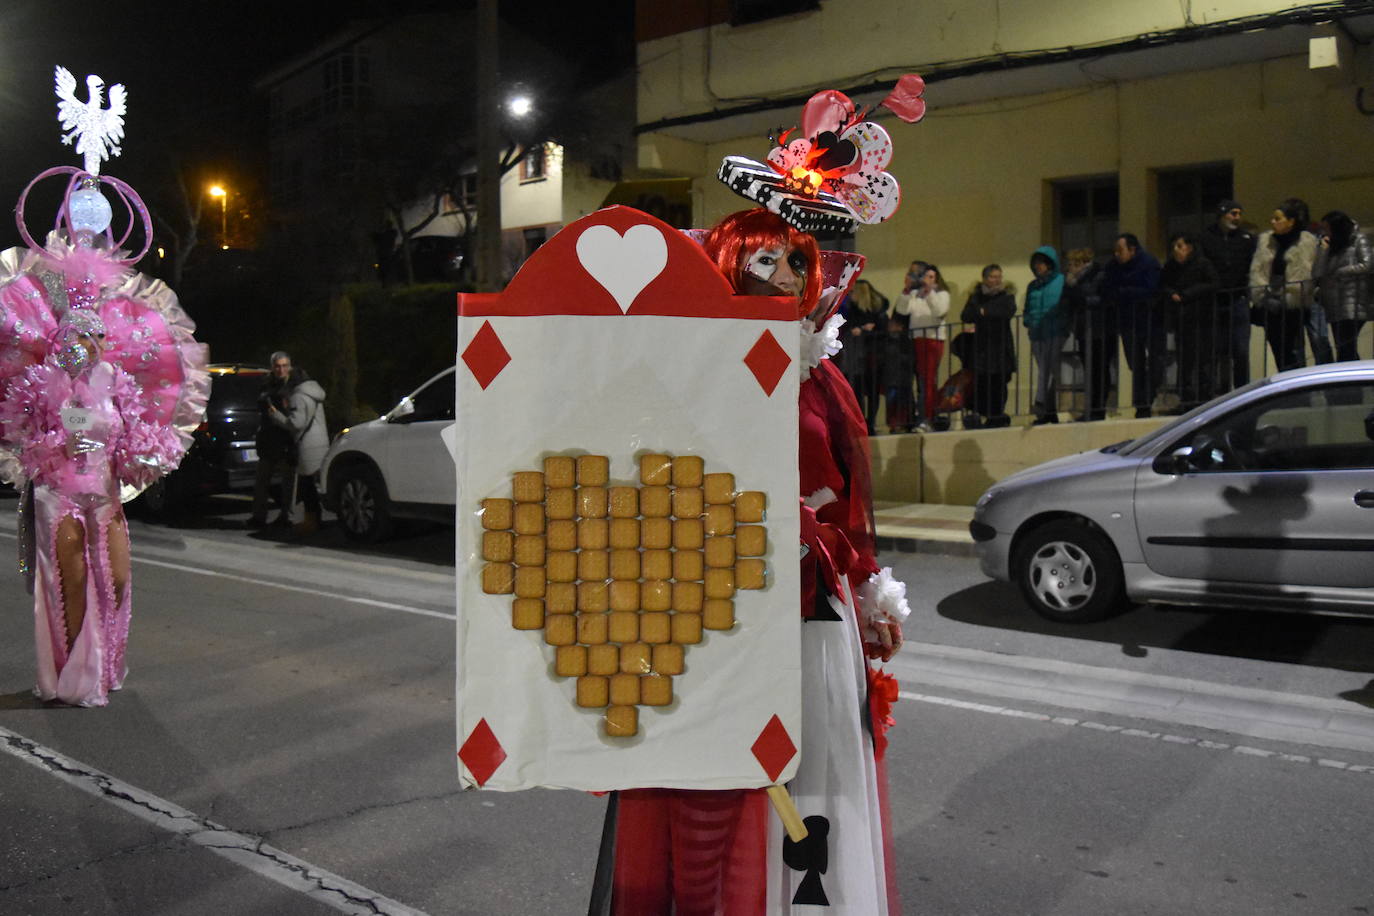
1157	358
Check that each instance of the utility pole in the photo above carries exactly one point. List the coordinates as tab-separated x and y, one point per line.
487	35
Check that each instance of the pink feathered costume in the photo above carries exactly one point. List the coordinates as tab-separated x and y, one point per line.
134	408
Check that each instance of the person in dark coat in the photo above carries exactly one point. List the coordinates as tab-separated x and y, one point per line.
897	364
1230	247
987	316
865	317
1345	272
276	448
1187	289
1094	329
1131	288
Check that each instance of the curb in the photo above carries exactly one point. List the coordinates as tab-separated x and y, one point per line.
940	544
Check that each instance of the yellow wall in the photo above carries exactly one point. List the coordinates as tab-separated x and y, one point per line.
582	194
974	178
846	41
955	468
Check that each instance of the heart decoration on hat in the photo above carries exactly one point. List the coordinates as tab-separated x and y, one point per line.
834	174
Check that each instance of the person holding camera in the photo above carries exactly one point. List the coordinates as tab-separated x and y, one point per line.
275	446
302	421
925	302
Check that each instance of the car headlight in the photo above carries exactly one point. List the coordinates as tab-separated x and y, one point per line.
986	498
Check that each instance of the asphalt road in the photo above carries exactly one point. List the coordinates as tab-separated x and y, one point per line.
284	744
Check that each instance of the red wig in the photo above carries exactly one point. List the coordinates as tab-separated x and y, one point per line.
734	238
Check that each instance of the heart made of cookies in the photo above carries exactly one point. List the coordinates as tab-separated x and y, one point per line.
623	579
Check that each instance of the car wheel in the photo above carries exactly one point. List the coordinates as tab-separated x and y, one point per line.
364	509
1070	573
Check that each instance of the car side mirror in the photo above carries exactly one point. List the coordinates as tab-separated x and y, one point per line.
1179	461
402	410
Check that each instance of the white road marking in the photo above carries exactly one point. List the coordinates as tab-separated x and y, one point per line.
242	849
370	602
336	596
1242	749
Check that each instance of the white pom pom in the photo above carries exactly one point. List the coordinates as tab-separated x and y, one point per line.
822	497
884	597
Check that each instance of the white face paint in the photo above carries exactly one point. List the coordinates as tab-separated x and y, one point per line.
763	263
775	271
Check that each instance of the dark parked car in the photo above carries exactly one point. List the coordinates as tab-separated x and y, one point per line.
223	457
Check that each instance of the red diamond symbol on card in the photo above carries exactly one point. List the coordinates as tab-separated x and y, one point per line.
768	361
482	753
774	747
485	355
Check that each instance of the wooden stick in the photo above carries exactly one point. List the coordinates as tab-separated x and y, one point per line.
787	811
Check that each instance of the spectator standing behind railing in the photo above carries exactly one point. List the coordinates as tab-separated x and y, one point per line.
925	306
1130	288
896	367
1094	328
1187	288
865	320
1281	281
1231	248
1317	327
1345	286
1047	325
988	315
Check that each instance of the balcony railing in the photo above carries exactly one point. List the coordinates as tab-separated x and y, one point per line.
1160	358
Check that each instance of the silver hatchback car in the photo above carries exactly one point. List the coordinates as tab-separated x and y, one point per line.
1262	498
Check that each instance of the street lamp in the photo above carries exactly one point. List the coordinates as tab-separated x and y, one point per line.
519	106
223	195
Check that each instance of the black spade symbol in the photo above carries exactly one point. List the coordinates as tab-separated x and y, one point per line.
811	855
838	154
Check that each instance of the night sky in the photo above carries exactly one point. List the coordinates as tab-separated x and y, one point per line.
190	70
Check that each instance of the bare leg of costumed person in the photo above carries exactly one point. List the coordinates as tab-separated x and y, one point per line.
71	563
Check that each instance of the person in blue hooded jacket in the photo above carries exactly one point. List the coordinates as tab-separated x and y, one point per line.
1047	324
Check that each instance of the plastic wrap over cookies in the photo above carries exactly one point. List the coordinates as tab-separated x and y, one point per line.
621	610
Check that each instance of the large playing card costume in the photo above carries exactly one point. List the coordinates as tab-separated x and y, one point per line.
77	430
629	618
626	476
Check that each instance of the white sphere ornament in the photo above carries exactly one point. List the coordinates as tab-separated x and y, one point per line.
89	210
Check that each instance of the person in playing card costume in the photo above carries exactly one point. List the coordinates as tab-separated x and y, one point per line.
101	384
721	852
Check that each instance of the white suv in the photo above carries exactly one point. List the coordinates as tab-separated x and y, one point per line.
396	466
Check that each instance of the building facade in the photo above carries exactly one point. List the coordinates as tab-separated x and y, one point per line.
1049	121
372	133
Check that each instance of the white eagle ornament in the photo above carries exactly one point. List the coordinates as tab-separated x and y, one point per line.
95	129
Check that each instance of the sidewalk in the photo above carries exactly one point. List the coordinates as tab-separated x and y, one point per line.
924	528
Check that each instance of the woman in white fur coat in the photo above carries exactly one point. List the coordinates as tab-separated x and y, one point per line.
1281	284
